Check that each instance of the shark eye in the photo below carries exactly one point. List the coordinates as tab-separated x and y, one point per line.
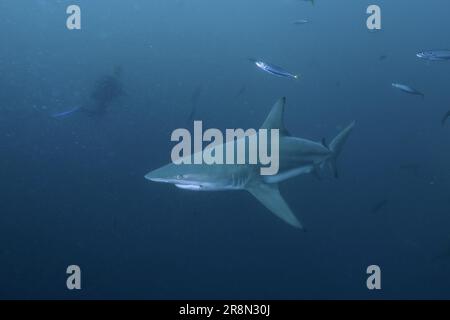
179	176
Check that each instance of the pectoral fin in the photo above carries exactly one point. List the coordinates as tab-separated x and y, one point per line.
269	195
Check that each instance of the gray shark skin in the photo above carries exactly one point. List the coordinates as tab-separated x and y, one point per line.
296	156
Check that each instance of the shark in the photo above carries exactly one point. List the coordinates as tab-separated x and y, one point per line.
297	156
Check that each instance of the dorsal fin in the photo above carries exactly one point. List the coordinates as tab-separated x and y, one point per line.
275	119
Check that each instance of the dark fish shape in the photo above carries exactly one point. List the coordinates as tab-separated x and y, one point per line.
274	69
444	255
379	206
434	55
196	94
382	57
241	91
192	114
194	103
106	90
445	117
407	89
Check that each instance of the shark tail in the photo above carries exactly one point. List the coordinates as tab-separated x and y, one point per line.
336	147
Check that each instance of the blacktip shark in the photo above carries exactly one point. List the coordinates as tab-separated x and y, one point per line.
296	156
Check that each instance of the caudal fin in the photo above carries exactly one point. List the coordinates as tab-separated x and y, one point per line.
336	147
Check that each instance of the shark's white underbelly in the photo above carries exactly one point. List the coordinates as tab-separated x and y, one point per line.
207	187
288	174
231	179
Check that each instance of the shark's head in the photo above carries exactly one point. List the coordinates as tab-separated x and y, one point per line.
184	176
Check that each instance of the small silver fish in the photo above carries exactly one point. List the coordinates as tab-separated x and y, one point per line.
300	21
434	55
275	70
407	89
312	1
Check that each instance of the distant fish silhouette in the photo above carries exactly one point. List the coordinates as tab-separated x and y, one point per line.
444	255
106	90
240	92
445	117
379	206
382	57
194	103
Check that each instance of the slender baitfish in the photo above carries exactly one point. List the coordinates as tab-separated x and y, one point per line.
434	55
407	89
275	70
300	21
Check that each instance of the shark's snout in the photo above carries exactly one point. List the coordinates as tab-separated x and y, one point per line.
148	176
155	179
152	176
166	174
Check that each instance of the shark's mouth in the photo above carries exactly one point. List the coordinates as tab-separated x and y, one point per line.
148	177
195	187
